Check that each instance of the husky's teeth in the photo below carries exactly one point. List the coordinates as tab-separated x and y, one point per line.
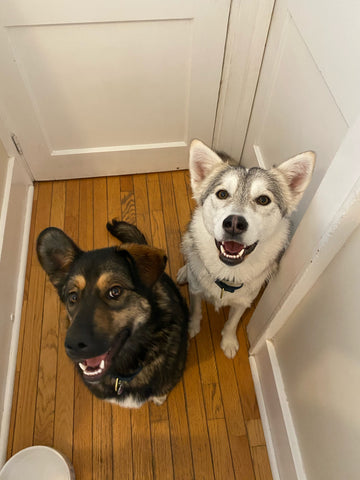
102	364
240	254
222	249
82	366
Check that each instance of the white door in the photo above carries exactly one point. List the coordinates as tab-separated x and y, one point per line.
102	88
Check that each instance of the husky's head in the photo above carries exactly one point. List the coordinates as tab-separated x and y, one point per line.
241	207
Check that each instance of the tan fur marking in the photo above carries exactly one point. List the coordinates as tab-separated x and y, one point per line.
79	281
103	281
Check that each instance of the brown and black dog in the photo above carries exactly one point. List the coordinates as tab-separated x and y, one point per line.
128	321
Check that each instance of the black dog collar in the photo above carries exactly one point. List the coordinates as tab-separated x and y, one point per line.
120	381
228	288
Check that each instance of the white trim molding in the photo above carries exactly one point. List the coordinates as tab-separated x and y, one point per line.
10	377
248	28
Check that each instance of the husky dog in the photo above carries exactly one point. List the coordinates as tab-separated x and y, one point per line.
238	231
128	321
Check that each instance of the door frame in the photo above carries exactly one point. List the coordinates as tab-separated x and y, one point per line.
248	28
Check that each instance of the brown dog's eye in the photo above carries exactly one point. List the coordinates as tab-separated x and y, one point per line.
222	194
263	200
114	292
73	298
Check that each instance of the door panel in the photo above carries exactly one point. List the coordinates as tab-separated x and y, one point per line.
121	90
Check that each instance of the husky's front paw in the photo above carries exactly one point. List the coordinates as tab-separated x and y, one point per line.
159	400
229	345
181	277
194	325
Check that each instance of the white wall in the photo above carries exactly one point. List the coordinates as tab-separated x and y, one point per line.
16	201
318	351
3	168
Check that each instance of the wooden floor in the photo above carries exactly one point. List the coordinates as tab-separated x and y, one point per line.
210	425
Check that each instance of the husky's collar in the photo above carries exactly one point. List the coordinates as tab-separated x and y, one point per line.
120	381
227	287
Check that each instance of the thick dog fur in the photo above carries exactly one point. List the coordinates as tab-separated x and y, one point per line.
238	231
128	321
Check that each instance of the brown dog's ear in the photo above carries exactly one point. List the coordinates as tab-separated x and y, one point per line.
56	252
150	261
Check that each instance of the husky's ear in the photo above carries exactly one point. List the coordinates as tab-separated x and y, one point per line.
56	253
202	161
150	262
297	172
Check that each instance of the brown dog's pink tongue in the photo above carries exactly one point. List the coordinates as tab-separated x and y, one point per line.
233	248
94	361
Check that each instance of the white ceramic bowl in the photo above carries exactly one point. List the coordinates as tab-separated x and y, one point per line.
37	463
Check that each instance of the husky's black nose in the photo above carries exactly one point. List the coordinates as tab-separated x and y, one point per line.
235	224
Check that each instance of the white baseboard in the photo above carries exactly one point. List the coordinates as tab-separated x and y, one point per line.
9	388
264	419
281	441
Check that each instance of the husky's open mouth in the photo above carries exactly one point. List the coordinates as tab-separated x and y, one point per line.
232	253
94	368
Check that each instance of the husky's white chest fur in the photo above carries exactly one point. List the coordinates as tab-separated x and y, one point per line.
238	232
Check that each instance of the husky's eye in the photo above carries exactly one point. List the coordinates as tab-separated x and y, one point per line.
114	292
263	200
73	297
222	194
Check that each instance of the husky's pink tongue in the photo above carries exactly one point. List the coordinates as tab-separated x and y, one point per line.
94	361
233	248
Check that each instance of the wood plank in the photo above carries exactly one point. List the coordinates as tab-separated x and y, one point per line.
261	463
126	183
121	421
183	457
102	421
122	444
64	403
208	370
141	443
179	433
45	403
142	206
156	215
159	421
244	379
255	432
240	449
171	223
223	465
25	418
83	401
127	199
114	204
161	450
199	436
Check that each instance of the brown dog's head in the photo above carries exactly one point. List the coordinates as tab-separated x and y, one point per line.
106	294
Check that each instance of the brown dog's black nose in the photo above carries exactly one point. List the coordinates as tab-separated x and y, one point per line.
235	224
81	342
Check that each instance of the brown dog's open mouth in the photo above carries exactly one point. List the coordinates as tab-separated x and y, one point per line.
95	368
232	253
